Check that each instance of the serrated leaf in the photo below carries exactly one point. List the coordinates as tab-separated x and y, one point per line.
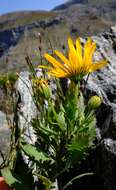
80	144
35	153
40	127
77	153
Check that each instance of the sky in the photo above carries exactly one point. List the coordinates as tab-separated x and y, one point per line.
7	6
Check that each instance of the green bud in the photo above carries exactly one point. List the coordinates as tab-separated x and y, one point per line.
42	87
94	102
46	91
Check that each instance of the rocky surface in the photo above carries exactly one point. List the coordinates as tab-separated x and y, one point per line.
103	83
27	109
4	136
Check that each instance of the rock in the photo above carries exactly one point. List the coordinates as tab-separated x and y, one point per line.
27	106
5	133
4	143
103	83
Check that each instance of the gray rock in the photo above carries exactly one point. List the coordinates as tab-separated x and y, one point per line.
27	107
5	133
103	83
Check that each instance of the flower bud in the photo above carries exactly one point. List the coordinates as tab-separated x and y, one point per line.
45	91
94	102
42	87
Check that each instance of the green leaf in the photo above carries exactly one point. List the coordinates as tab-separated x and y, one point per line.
46	182
61	119
40	128
71	109
12	180
9	178
35	153
78	148
80	143
81	104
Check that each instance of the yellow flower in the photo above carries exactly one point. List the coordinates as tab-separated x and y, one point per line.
78	63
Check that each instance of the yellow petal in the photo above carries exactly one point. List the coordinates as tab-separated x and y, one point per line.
88	43
72	53
71	46
98	65
53	61
89	49
89	54
92	49
57	73
72	62
56	63
64	59
79	52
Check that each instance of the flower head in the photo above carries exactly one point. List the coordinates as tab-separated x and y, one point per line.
78	63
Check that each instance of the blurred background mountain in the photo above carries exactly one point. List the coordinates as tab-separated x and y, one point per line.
20	31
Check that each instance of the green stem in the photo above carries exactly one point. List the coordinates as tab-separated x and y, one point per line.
55	114
86	81
77	177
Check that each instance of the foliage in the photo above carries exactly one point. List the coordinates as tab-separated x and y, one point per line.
7	89
9	78
12	180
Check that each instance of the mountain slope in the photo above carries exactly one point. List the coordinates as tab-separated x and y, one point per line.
69	3
16	19
19	32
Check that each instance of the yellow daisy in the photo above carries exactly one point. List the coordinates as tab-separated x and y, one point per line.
78	63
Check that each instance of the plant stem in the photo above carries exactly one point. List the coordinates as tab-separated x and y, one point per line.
77	177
